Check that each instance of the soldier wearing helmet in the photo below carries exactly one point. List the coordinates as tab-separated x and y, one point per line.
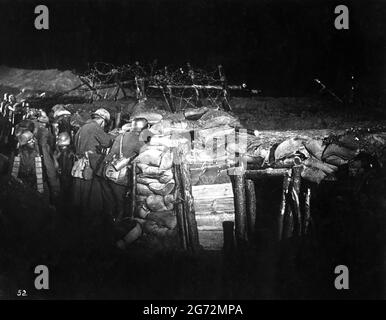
62	120
35	168
64	160
133	138
4	125
89	142
3	104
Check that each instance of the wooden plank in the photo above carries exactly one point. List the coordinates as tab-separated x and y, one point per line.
212	191
253	174
211	240
206	206
213	220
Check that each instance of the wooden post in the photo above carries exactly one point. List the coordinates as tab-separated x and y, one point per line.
225	103
179	209
295	193
189	207
228	231
240	209
251	208
283	204
133	189
307	210
118	119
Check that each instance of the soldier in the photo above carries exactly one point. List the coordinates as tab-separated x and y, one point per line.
132	142
3	105
64	157
89	142
62	121
34	168
7	112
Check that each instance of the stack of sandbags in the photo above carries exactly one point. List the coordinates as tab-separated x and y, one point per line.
156	186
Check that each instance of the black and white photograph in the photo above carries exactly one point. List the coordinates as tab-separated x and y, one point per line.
210	151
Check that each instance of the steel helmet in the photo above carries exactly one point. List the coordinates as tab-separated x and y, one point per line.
63	139
11	98
102	113
61	112
43	117
139	124
25	137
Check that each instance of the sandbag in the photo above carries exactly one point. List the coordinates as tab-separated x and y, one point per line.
150	157
165	219
195	113
151	227
149	146
142	212
163	127
167	127
169	141
169	199
151	116
339	151
315	147
166	161
327	168
140	199
335	160
146	180
289	148
166	176
162	189
215	118
143	190
313	174
156	203
149	171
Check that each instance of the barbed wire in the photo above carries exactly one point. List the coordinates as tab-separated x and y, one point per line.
105	73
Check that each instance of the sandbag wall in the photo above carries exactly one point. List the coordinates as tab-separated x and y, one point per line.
189	134
155	194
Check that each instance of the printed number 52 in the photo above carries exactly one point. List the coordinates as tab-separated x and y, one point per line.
21	293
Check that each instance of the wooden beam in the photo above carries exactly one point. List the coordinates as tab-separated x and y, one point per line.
189	206
240	210
179	210
254	174
295	193
251	208
307	210
133	189
283	205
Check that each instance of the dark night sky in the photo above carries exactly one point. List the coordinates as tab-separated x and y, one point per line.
278	46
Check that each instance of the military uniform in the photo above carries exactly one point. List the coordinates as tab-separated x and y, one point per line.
36	169
87	194
131	144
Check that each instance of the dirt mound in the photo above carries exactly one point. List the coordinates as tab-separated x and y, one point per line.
50	80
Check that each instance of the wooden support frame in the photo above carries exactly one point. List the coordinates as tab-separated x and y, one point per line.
290	213
185	212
